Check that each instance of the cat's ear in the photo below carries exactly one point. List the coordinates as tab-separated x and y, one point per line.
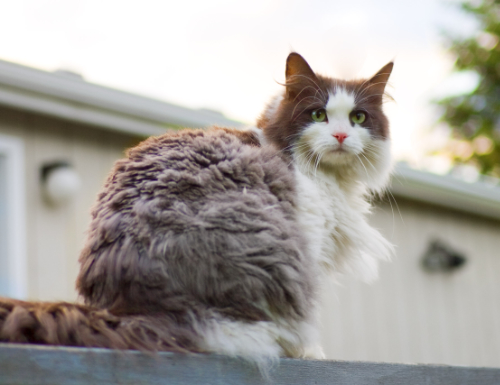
298	75
378	82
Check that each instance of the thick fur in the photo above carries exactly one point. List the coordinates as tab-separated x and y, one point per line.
215	240
69	324
204	222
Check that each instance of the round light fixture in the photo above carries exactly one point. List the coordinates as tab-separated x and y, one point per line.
60	182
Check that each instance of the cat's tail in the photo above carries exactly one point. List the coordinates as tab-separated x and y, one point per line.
66	324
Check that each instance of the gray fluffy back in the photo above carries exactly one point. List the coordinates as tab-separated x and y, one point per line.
197	225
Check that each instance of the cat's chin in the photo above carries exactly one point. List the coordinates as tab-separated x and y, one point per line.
338	156
326	160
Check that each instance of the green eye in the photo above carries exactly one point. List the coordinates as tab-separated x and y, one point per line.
358	117
319	115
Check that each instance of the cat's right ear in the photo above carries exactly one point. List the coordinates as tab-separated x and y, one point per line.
378	82
298	76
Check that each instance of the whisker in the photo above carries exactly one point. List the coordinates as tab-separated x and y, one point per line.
362	164
396	203
309	79
308	106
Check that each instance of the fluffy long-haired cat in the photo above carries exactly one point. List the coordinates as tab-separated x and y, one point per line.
215	241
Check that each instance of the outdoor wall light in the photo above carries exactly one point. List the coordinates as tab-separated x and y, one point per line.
60	182
441	258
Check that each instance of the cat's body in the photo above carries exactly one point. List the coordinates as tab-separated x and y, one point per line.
201	222
224	235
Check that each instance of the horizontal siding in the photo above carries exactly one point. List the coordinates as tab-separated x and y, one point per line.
56	234
410	315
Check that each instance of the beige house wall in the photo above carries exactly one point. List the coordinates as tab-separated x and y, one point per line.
55	234
412	316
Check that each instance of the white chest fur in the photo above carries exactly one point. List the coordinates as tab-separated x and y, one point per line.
339	236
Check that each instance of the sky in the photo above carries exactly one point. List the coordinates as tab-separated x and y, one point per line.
230	56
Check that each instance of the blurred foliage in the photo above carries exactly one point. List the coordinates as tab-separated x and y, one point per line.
475	117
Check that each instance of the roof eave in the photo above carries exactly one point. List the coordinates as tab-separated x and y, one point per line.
76	100
444	190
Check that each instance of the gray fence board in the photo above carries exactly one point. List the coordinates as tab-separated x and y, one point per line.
28	364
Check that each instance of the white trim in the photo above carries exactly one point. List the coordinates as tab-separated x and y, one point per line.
446	191
77	100
78	113
13	149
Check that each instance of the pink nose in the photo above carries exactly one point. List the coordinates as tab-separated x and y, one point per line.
340	137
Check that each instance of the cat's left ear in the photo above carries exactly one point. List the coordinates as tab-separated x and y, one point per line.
379	81
299	76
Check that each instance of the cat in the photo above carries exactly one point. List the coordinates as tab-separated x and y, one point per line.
216	240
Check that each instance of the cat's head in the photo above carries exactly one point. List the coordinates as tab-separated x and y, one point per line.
332	125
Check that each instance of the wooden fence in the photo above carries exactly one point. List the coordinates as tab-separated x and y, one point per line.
28	364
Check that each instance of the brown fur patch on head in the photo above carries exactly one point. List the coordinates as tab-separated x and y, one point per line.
305	91
369	97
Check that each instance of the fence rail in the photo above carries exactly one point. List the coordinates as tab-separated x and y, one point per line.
29	364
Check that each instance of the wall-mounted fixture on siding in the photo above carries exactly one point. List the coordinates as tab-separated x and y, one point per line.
60	182
442	258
